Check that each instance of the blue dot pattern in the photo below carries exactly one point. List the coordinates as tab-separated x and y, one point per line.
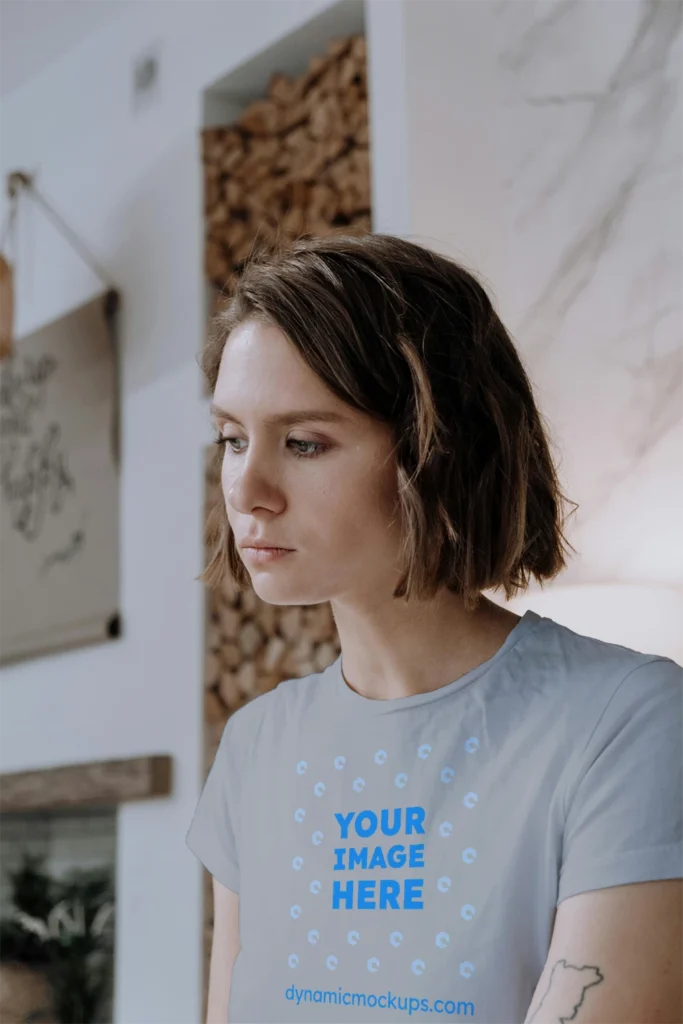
392	839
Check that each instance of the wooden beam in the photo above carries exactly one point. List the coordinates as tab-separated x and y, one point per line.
91	784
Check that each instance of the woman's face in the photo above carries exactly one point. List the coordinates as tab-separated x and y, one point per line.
324	488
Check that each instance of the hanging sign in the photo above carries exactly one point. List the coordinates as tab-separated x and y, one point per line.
59	485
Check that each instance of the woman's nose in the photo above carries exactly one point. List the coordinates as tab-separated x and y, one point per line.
253	488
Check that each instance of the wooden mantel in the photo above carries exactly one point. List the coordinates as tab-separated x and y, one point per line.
91	784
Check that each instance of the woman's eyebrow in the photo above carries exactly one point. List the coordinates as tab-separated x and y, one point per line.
287	418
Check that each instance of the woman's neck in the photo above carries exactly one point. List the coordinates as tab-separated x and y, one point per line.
405	648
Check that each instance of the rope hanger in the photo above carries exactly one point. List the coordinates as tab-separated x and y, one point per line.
16	181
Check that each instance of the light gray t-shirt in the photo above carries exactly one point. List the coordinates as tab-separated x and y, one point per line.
402	859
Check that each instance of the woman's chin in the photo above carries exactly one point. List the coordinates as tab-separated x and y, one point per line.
274	590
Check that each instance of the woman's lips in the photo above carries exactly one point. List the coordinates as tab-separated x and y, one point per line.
264	555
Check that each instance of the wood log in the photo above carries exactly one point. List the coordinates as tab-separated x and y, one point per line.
214	709
356	119
326	85
218	216
212	669
359	49
363	133
283	90
339	47
257	163
216	262
246	679
229	691
233	192
319	622
213	194
213	143
324	655
268	617
250	601
360	225
250	638
293	221
348	72
243	250
230	621
264	117
296	114
316	67
236	231
267	229
273	653
230	656
290	622
322	202
325	118
213	636
216	141
229	592
232	158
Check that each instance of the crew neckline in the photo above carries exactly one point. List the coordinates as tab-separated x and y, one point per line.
371	706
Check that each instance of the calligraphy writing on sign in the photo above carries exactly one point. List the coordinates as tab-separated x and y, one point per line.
34	475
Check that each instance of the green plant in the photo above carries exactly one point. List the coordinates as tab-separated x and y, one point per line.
66	927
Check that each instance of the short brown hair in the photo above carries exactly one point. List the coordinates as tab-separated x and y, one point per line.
411	338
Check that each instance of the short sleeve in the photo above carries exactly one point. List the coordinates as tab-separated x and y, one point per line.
212	833
625	818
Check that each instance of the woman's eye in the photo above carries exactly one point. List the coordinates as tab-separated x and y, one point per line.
311	448
226	440
314	448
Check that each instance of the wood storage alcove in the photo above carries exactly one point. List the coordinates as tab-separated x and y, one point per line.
296	161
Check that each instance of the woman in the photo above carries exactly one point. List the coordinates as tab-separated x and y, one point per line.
401	827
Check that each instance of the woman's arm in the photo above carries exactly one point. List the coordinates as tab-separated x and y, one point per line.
224	949
615	954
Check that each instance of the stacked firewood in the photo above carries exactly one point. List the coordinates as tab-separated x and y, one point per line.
296	162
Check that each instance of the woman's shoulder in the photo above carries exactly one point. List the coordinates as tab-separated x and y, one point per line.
588	679
560	648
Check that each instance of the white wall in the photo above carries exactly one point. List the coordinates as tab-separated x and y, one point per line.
433	87
544	152
130	185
